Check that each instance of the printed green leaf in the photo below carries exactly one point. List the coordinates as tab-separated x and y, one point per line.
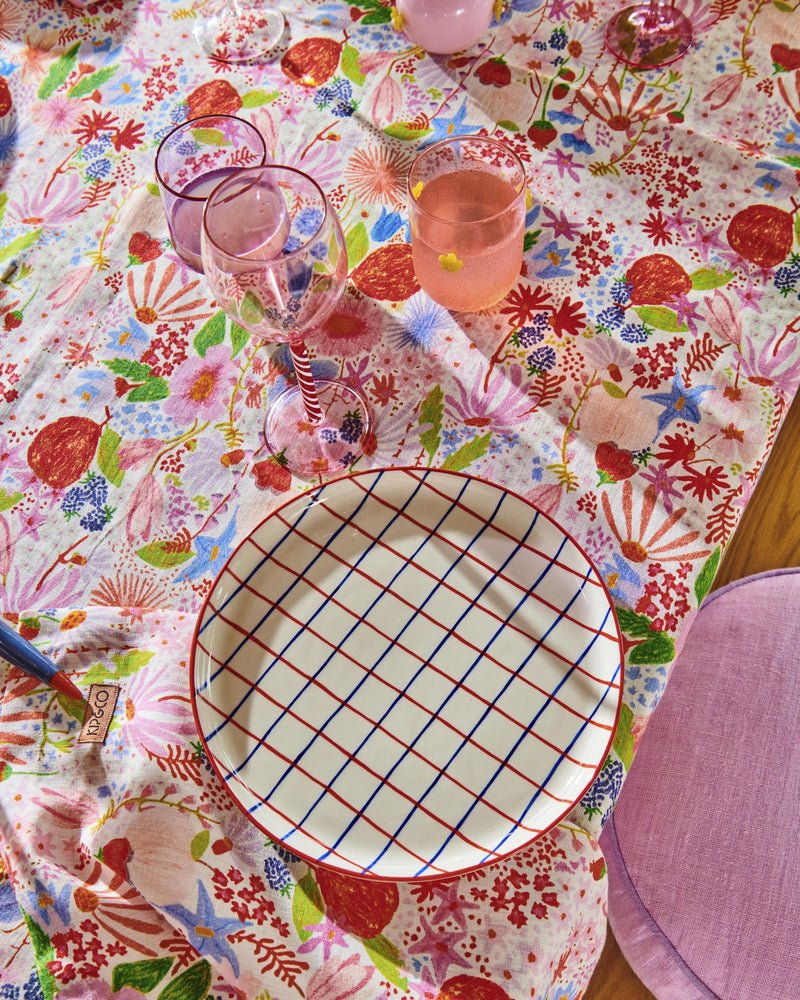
193	984
661	318
162	555
44	953
126	664
7	500
508	126
467	453
614	390
709	277
108	458
133	370
59	72
531	239
152	188
19	244
659	648
199	844
74	707
632	623
702	585
357	244
387	960
792	161
209	136
431	412
350	67
153	388
239	338
623	740
380	16
257	98
307	906
251	310
142	976
88	84
3	203
210	334
783	7
402	130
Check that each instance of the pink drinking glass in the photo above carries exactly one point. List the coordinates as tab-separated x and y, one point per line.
191	160
649	35
275	257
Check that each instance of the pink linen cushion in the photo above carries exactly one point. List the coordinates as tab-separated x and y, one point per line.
702	850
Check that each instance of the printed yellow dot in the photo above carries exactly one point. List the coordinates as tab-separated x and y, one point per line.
497	10
397	19
449	262
528	199
417	189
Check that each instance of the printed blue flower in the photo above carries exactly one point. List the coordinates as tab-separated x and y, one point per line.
205	930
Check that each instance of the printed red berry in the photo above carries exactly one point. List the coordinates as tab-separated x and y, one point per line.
12	319
272	475
5	98
29	628
358	906
784	58
494	72
560	91
542	133
566	74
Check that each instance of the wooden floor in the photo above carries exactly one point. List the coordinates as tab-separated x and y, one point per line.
768	537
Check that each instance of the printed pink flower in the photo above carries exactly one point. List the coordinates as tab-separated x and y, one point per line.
724	90
387	103
145	509
200	387
343	979
353	328
156	714
503	405
723	318
57	207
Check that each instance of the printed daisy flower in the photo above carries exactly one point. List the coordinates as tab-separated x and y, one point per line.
353	328
200	387
157	306
375	174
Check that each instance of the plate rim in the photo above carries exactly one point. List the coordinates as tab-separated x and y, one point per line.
373	875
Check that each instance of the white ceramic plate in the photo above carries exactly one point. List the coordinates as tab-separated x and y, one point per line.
407	673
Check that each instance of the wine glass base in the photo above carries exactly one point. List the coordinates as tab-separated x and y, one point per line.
310	449
237	31
646	40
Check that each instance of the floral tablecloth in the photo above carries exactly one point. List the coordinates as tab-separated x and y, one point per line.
630	385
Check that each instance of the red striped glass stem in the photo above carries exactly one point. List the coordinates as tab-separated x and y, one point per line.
302	369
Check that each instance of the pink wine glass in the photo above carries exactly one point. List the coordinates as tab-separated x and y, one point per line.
275	257
649	35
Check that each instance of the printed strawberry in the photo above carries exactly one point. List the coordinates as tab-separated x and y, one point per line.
542	133
560	91
494	72
784	58
465	987
387	273
272	474
656	279
12	319
215	97
614	464
5	98
29	628
357	905
598	869
311	61
142	248
762	234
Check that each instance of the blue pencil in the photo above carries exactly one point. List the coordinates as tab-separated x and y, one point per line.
23	654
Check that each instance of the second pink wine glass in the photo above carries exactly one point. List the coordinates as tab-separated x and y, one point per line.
649	35
275	257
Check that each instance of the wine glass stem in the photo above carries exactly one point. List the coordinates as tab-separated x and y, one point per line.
654	13
308	389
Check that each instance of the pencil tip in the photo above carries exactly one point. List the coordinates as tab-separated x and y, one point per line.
63	684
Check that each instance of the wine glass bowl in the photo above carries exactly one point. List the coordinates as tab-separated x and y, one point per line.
649	34
191	160
275	257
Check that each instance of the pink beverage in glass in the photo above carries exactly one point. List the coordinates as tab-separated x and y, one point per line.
191	160
467	208
444	26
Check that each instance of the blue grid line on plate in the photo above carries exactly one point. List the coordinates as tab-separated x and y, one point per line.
409	621
456	686
558	763
542	787
590	578
512	672
526	731
501	531
260	801
233	771
290	532
585	577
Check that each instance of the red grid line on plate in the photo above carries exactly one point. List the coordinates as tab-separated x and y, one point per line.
590	578
604	682
290	820
448	631
403	744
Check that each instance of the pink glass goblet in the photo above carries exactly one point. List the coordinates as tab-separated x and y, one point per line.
649	35
275	257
